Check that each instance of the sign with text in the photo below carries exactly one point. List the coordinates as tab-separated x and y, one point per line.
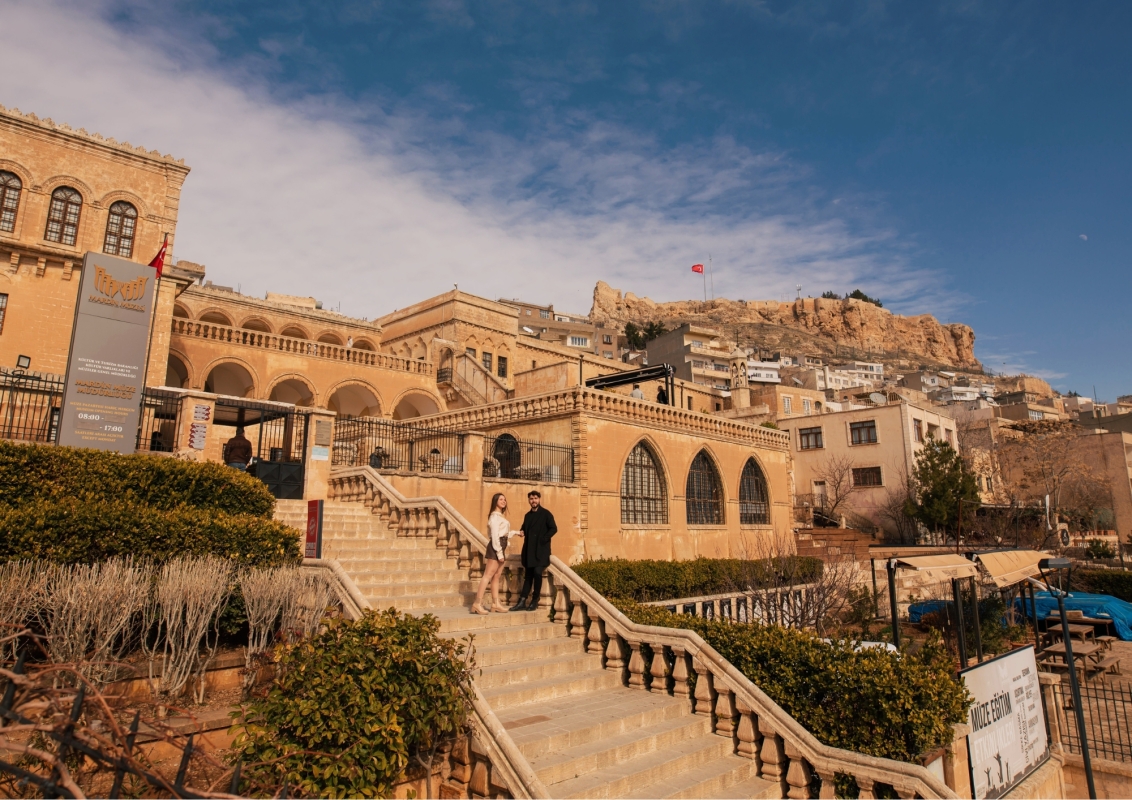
1008	733
313	543
106	365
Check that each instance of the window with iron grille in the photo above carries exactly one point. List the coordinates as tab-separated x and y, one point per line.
544	313
754	499
703	493
486	360
10	186
120	228
501	366
63	216
866	476
3	310
863	432
810	439
644	499
606	339
787	405
579	341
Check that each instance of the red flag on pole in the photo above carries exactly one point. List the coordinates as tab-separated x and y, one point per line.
698	268
159	260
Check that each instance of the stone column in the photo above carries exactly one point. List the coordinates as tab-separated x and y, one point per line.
955	772
320	441
191	403
172	283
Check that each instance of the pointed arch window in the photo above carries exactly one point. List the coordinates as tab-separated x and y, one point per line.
10	186
644	500
704	492
63	216
754	499
120	228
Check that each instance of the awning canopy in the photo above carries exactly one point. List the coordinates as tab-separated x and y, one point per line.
939	568
1008	567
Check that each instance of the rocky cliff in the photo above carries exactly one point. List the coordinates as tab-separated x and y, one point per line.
850	329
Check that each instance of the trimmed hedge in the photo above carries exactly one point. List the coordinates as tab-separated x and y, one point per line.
356	706
31	472
646	580
872	701
1104	581
74	531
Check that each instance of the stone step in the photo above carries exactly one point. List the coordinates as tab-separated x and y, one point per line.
462	589
419	602
461	620
524	653
750	789
557	725
657	768
386	541
584	759
731	776
388	577
503	697
532	634
377	555
532	671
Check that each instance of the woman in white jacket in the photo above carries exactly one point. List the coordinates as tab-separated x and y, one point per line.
499	530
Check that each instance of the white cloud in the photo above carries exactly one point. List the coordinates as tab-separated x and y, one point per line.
356	204
1083	237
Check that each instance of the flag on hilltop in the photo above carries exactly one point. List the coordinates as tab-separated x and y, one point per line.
698	268
159	260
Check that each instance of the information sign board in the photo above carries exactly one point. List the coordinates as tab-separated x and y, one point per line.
1008	734
106	365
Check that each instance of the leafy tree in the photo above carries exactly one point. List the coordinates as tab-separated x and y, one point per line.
634	336
941	479
830	295
653	330
1099	548
857	294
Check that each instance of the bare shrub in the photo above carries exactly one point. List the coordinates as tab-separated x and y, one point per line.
267	592
87	611
310	596
190	594
23	589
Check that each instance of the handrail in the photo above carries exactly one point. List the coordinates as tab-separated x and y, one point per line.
302	347
784	749
353	601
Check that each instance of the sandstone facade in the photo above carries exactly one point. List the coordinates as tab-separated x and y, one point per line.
847	328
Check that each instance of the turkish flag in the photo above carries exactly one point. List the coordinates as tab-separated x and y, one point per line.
698	268
159	260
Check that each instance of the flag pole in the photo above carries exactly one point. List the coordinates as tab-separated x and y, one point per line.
704	276
712	275
153	311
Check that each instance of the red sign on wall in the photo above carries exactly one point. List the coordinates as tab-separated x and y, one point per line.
313	547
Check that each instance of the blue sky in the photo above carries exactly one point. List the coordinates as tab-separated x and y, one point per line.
966	159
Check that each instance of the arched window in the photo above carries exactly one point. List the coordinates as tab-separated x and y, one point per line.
10	186
644	500
754	499
703	494
506	452
63	216
120	227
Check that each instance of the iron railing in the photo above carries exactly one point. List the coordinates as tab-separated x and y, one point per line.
444	375
1108	719
389	445
157	428
505	456
29	405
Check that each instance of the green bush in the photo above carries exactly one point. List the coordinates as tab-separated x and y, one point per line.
1103	581
357	705
1099	548
31	472
646	580
872	701
74	531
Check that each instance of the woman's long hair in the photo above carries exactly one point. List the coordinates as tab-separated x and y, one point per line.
495	500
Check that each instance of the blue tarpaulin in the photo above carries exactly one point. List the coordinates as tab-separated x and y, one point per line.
916	611
1102	606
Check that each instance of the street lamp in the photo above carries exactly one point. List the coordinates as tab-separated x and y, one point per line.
1044	566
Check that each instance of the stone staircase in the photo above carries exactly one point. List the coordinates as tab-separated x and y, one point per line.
582	731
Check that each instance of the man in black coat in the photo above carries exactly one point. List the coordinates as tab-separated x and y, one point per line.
538	528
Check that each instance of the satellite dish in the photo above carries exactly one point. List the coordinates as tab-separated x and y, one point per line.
878	399
528	330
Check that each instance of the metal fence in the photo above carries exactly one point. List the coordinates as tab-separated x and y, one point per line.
507	457
389	445
29	405
1108	719
157	428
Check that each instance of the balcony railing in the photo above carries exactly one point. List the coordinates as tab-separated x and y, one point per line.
301	347
507	457
388	445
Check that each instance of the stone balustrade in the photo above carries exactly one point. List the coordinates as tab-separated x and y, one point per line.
607	404
784	605
652	659
301	347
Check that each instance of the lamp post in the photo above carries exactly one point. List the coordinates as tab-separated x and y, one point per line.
1074	687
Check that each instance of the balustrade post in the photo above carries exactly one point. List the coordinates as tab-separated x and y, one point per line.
867	787
659	669
578	622
476	571
747	733
680	686
561	605
799	776
636	666
702	700
614	654
772	755
464	559
545	600
724	710
394	519
453	542
595	636
828	788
